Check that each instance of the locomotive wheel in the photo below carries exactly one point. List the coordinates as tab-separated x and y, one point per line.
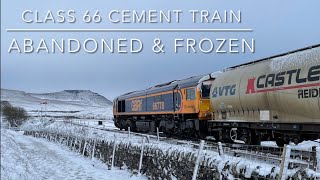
280	142
198	134
131	124
164	131
122	125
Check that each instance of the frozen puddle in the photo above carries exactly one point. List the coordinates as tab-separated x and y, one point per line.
25	157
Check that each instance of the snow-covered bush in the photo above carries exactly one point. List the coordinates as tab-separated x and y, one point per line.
15	115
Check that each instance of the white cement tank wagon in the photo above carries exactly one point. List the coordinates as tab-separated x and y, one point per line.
281	91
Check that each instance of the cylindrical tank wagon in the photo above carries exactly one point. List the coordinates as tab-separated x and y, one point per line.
274	98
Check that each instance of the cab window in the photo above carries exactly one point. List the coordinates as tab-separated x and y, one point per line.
205	91
122	106
191	94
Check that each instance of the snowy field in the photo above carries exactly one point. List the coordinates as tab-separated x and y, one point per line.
24	157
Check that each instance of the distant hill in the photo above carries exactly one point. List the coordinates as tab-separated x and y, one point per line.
76	97
77	102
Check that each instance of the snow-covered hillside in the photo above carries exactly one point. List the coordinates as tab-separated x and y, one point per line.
76	97
68	103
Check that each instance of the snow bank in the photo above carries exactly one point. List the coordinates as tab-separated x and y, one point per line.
24	157
13	164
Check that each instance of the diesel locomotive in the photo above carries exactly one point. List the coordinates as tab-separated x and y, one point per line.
181	106
275	98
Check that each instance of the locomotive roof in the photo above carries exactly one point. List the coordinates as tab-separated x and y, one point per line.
183	83
271	57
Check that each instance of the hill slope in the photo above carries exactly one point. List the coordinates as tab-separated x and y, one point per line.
77	103
82	97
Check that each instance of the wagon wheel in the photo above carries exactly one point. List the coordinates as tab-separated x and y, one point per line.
233	134
218	136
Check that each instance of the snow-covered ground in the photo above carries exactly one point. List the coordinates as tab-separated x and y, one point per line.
305	145
25	157
247	161
106	124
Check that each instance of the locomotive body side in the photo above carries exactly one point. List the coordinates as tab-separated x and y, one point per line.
173	106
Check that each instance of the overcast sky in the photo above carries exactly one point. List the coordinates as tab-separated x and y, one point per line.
277	27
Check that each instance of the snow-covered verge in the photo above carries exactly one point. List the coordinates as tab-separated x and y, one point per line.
25	157
305	145
161	159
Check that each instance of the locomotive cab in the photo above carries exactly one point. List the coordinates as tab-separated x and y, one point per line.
205	112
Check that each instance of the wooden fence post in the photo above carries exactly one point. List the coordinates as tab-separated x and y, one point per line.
129	132
158	134
113	152
220	149
67	141
141	155
318	159
285	162
84	147
93	148
195	170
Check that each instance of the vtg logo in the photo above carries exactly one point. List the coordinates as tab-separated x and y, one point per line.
228	90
